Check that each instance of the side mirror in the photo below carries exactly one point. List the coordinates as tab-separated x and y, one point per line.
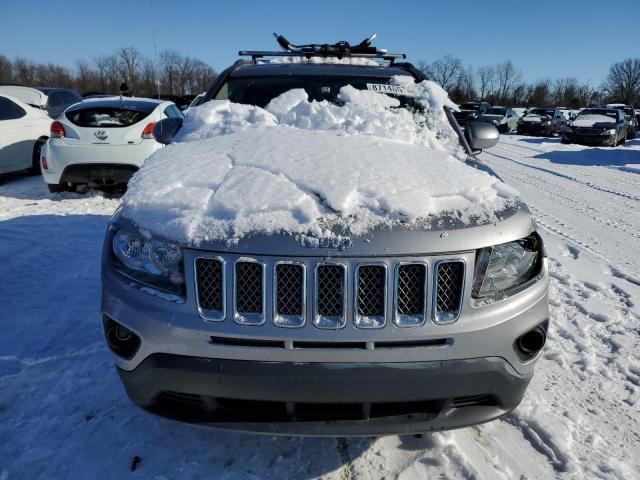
481	135
166	129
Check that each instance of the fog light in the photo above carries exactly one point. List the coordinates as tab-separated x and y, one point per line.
122	341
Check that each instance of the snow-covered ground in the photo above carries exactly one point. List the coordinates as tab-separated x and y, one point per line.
64	414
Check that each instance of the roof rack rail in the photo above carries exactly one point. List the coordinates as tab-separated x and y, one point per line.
339	50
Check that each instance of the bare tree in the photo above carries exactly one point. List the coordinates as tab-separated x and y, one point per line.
6	70
446	71
486	78
507	77
540	94
129	59
169	66
623	81
149	78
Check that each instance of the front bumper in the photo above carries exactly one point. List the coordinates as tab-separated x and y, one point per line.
534	128
326	398
588	139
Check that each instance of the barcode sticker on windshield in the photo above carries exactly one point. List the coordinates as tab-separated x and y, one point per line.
391	89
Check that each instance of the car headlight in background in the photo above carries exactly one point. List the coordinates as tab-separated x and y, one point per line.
546	122
568	128
610	132
148	260
503	267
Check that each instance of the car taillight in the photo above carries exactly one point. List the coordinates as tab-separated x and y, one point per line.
148	130
45	165
57	130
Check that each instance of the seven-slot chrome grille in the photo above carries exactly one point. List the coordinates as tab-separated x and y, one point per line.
369	294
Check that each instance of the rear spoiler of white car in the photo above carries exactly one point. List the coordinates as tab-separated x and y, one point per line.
27	95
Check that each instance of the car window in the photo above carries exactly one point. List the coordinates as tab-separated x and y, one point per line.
496	111
10	110
259	91
111	117
55	100
69	98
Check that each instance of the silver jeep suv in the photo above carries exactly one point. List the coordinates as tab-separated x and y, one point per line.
400	331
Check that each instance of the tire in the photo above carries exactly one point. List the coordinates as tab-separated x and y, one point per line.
35	157
565	141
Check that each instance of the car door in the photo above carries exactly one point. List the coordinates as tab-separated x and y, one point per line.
16	144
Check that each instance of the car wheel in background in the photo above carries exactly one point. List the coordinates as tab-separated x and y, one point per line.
566	141
35	156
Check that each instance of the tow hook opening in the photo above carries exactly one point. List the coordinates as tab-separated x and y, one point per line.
530	343
122	341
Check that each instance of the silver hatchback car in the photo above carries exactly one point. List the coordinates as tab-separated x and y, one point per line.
401	331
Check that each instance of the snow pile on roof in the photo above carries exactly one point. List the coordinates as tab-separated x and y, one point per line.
306	167
589	120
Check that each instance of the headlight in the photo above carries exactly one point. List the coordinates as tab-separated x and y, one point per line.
503	267
611	131
568	128
546	122
149	260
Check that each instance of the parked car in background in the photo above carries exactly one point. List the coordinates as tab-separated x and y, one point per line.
597	126
470	111
102	142
630	116
503	118
23	131
542	121
53	100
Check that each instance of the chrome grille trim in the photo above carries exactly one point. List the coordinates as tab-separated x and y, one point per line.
371	321
332	322
409	319
249	318
443	294
208	314
289	320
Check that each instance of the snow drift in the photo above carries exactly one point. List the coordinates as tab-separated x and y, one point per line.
306	167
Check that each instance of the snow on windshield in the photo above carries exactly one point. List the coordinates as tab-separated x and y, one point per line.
308	167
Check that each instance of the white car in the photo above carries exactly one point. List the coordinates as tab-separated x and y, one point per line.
53	100
102	141
23	132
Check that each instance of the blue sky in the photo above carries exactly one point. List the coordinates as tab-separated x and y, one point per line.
543	38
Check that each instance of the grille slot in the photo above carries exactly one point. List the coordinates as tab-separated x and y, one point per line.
210	287
290	287
411	281
249	293
449	287
371	296
330	296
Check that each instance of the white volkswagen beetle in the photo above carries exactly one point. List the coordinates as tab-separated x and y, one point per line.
23	132
102	141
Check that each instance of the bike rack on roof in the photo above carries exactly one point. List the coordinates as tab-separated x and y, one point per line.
339	50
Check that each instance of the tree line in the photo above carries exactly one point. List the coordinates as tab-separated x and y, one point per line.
174	74
169	74
502	84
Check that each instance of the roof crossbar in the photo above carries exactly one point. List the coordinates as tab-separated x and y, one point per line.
339	50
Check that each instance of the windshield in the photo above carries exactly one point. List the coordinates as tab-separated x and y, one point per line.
470	106
259	91
496	111
600	111
541	111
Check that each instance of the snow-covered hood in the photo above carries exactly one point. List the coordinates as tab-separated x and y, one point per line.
593	120
314	170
